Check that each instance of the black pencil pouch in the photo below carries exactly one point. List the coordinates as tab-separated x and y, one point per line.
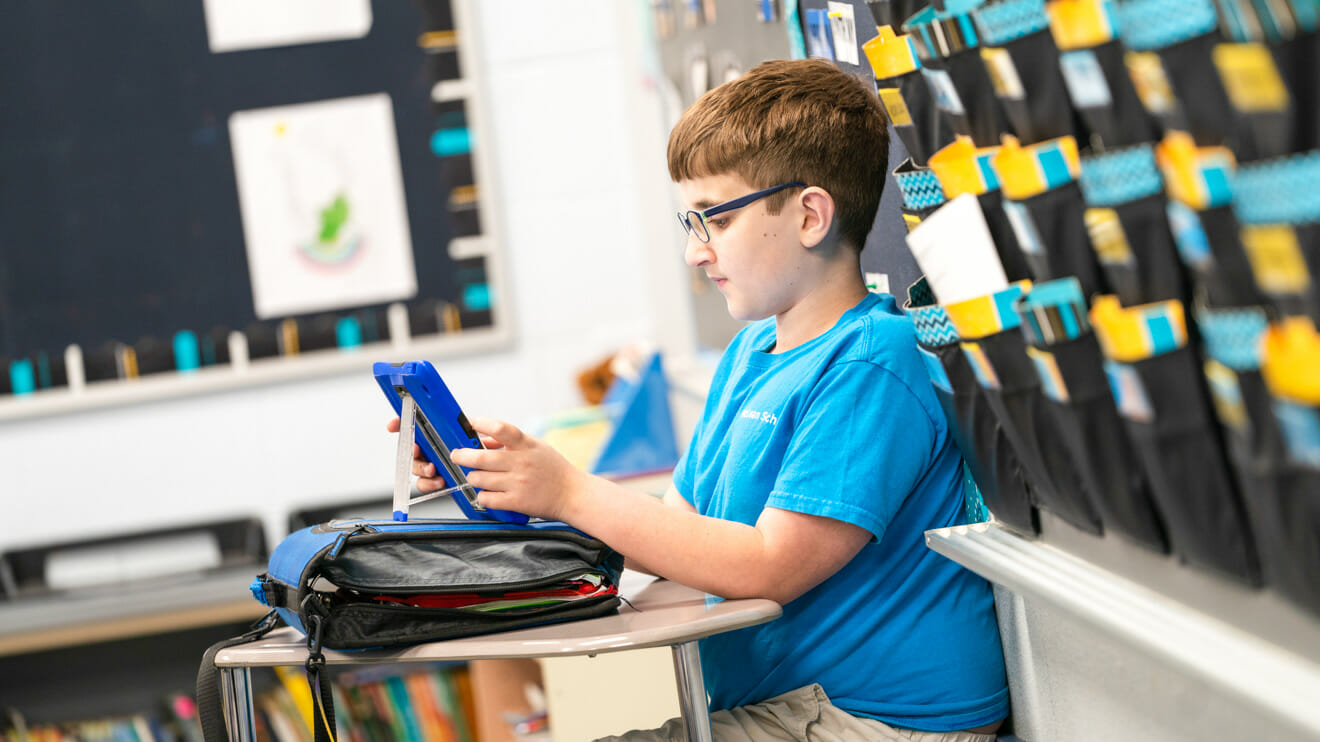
1205	231
1023	62
1044	205
1183	34
948	47
1277	204
1233	340
906	95
996	351
990	458
1160	392
1092	62
1068	362
1291	353
1128	224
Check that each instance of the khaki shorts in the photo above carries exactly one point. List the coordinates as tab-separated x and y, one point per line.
802	715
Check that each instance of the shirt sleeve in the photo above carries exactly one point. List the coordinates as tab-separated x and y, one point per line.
861	445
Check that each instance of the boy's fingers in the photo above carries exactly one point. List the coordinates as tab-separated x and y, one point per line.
489	442
425	485
423	469
499	430
393	425
476	458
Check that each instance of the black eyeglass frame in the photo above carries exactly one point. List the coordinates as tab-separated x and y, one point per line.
699	227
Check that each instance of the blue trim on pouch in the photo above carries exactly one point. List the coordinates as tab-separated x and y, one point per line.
1233	336
1120	176
1148	25
1002	22
1282	191
921	189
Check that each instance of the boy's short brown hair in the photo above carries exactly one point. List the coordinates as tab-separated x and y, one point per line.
800	120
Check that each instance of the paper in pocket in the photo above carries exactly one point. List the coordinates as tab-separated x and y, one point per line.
962	167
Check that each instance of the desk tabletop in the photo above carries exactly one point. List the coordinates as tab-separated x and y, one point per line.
662	614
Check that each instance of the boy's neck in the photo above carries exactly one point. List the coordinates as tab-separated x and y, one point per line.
820	309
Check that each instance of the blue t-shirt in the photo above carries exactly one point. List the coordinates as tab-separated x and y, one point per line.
847	426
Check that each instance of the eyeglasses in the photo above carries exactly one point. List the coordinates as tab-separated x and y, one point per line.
694	222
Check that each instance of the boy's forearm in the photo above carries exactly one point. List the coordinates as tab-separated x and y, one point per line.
720	557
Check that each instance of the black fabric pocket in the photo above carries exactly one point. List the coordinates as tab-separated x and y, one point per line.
990	457
1299	518
1102	93
1030	87
1083	411
1051	230
911	108
1209	245
1014	392
1135	250
1011	256
965	95
1297	60
1180	450
1191	71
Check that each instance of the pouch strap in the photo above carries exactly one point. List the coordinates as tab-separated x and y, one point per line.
209	713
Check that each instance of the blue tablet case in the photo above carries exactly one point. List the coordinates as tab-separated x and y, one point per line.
441	427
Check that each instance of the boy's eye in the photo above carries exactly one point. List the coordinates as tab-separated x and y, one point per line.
718	222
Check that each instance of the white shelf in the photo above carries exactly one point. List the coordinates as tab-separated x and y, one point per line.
1279	677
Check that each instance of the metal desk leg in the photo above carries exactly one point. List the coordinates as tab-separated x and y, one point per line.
236	698
692	692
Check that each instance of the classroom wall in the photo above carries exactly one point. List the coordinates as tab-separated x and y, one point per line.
592	260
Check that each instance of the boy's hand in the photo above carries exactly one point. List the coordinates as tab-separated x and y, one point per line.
424	470
520	472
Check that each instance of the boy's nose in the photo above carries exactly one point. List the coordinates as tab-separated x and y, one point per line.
697	253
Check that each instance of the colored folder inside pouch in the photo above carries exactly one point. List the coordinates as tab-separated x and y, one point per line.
1205	231
1278	205
1182	35
1291	357
1160	391
985	446
1091	60
906	95
1044	205
1267	65
1233	348
1128	224
954	249
962	167
997	352
1023	62
1077	400
947	44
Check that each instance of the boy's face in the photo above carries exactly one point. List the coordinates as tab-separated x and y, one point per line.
753	256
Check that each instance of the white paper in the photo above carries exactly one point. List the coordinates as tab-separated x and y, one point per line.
954	249
843	26
321	194
235	25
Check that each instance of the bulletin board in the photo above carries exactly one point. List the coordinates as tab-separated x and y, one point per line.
174	171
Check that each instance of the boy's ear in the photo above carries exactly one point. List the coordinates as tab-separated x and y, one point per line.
817	215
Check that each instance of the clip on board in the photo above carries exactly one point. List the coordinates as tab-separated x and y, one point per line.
430	416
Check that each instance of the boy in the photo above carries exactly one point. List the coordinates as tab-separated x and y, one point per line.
822	455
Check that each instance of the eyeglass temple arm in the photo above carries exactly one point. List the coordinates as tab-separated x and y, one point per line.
742	201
